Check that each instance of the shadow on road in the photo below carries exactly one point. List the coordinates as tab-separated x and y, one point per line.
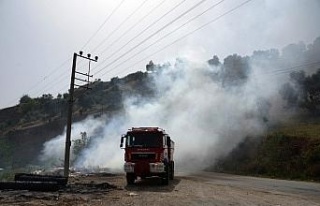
153	184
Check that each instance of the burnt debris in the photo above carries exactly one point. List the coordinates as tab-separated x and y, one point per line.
32	182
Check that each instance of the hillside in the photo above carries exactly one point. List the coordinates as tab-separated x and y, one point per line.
27	126
226	109
289	152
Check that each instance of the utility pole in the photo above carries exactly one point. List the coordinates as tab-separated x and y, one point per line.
71	100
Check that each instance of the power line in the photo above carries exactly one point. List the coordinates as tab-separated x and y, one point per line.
149	55
165	36
141	32
285	69
101	26
56	69
95	33
237	7
118	27
188	34
54	81
59	79
150	36
51	84
134	25
60	89
290	69
52	72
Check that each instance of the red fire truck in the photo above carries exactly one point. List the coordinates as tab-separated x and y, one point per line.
148	153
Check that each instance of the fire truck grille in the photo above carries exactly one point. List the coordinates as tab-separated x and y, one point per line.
143	156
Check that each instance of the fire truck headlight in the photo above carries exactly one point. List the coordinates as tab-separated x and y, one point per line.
157	167
129	167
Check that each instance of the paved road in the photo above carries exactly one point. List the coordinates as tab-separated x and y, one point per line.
208	188
266	184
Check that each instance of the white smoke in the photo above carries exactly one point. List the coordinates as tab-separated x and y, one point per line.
205	119
54	149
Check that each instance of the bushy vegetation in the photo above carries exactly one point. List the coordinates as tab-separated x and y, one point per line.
6	152
290	152
42	108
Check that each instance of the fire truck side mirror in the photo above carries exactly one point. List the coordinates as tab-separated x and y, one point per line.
121	144
168	141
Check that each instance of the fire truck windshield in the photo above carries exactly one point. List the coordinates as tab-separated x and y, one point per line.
144	140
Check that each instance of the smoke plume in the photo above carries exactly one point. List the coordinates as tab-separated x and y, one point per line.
206	108
205	117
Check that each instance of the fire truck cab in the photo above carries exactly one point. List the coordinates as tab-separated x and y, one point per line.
148	152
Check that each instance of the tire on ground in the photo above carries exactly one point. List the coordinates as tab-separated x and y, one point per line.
166	176
130	178
172	170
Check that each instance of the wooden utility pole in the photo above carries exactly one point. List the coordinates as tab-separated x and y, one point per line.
70	108
69	121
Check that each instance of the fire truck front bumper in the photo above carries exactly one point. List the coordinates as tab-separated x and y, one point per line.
154	168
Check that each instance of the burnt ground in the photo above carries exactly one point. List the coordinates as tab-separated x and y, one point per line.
192	189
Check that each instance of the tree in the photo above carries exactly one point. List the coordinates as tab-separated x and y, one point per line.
66	96
235	70
86	101
80	144
214	61
312	93
303	91
27	104
25	99
313	51
150	67
289	94
298	78
294	52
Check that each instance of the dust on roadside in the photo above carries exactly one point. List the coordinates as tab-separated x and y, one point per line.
83	189
94	189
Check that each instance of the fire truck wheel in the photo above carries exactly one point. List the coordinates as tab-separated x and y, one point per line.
172	170
130	178
165	178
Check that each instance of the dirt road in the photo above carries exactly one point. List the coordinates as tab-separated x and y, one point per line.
203	188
